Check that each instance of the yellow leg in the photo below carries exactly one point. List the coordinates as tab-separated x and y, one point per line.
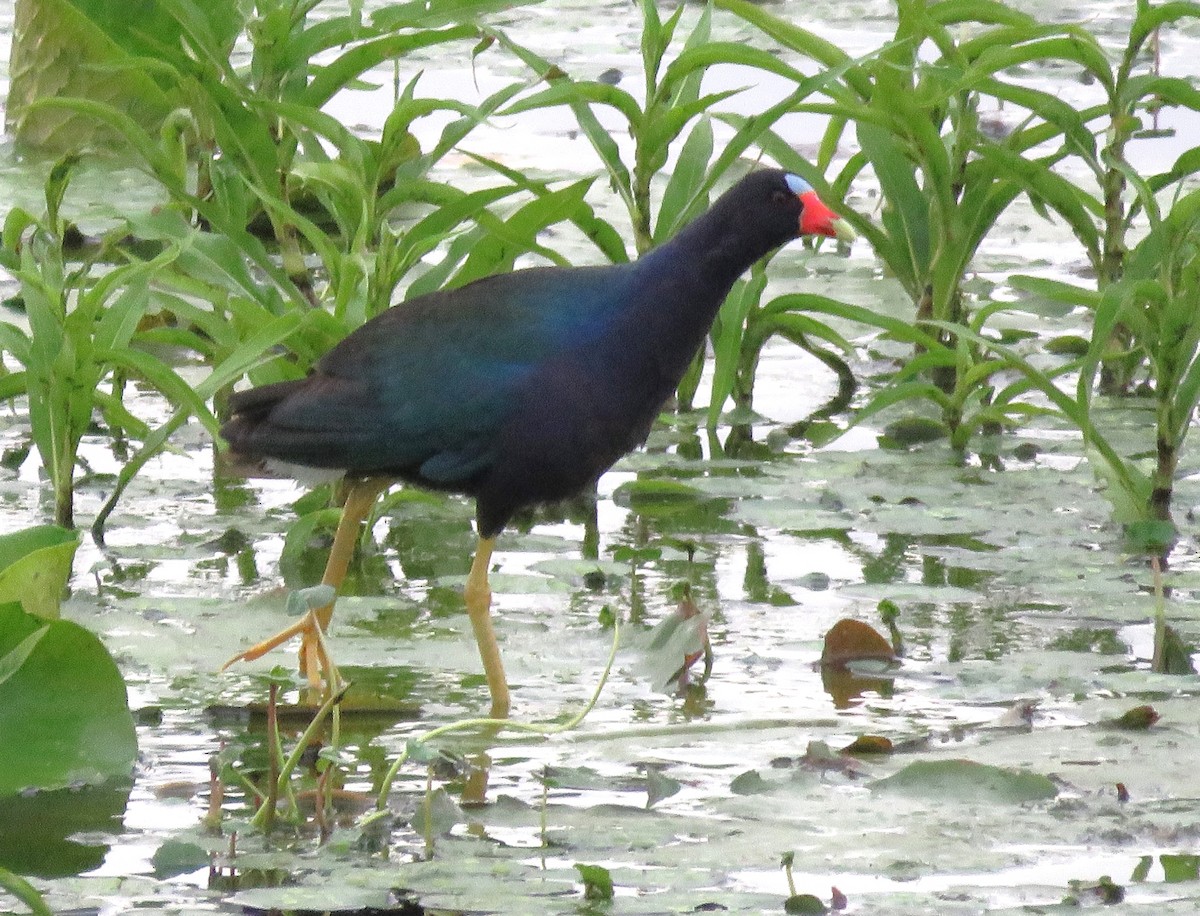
478	596
313	661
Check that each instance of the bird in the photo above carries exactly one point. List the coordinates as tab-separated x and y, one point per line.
516	389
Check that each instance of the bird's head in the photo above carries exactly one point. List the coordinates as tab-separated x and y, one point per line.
815	217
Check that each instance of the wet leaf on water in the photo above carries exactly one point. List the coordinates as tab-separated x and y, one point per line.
63	710
677	642
437	814
910	431
584	779
1173	656
967	782
1179	867
656	497
868	745
659	786
1142	870
852	640
1137	719
1105	891
330	897
750	783
804	903
1103	641
597	882
177	857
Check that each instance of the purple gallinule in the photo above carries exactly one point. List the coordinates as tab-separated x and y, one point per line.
517	389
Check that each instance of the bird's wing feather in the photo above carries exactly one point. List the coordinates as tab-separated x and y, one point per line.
425	387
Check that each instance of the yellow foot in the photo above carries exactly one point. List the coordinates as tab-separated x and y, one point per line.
314	657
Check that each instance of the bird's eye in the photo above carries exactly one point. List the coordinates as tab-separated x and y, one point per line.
779	198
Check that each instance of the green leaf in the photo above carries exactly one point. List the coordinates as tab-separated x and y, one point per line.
966	782
645	494
25	892
1056	290
659	787
64	712
437	814
518	234
89	49
787	33
685	188
11	663
572	93
35	565
907	215
803	904
728	334
1180	867
179	857
1043	185
412	14
597	881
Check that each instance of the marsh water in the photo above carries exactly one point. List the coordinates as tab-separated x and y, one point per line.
1026	624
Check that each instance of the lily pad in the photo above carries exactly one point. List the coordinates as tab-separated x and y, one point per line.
966	781
177	857
63	709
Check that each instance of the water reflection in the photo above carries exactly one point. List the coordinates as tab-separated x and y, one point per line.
61	833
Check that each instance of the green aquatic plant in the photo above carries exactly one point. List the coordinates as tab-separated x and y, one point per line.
1102	216
1156	302
82	323
946	177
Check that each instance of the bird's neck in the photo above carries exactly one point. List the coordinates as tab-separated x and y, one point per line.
698	266
712	251
682	285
